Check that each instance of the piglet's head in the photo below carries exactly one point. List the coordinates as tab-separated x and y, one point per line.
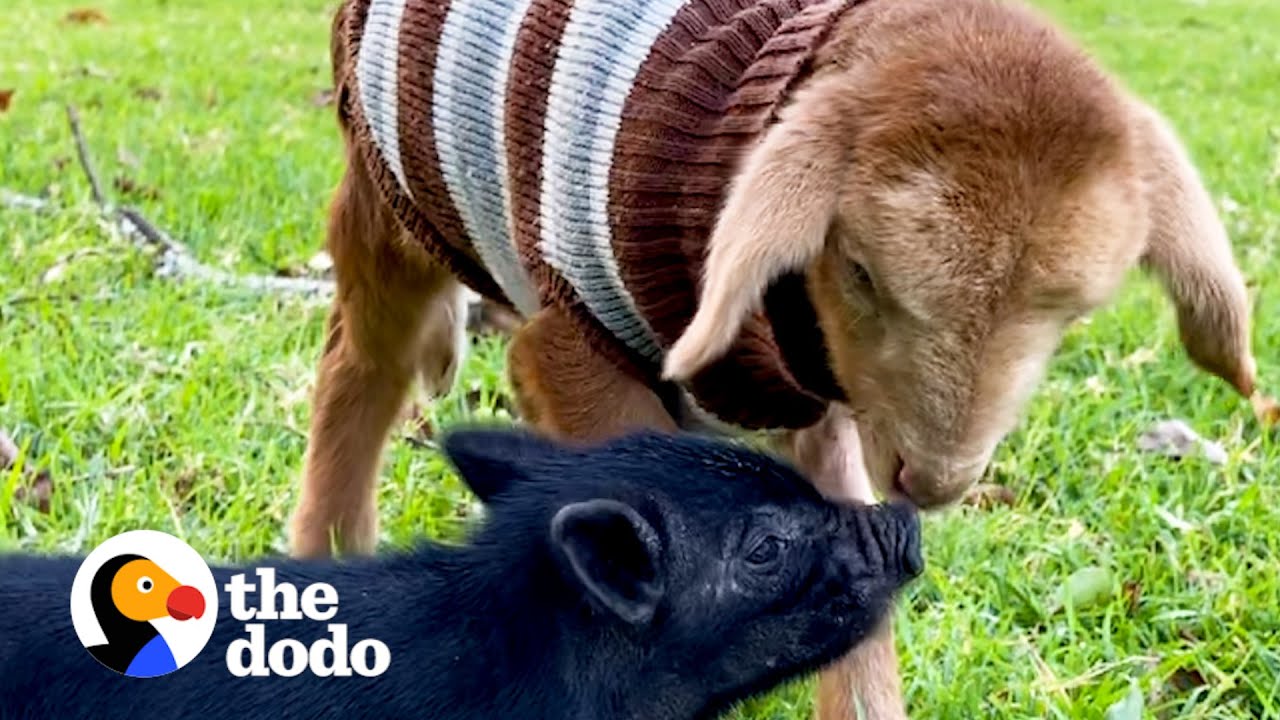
959	183
721	570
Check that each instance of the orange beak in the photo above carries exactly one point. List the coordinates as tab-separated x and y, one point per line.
185	602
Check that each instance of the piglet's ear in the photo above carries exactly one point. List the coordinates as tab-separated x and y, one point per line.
614	553
491	461
775	220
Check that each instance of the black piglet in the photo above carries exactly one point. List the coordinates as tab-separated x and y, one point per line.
654	576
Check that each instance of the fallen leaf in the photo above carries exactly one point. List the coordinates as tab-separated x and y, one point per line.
1129	707
127	158
1184	679
322	98
1174	521
1075	529
320	263
6	97
1132	595
1085	587
1274	175
58	269
54	273
1095	385
86	16
92	71
38	491
61	162
184	484
8	451
13	199
986	496
128	186
1213	581
1266	409
147	93
1141	356
1175	439
1189	636
35	490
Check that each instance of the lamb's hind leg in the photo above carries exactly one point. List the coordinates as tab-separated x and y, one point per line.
830	454
397	314
444	339
568	390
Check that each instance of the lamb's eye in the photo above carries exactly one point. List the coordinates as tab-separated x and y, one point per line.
765	551
145	584
859	276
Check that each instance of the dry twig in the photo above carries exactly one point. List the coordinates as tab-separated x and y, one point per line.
174	260
86	162
8	451
20	201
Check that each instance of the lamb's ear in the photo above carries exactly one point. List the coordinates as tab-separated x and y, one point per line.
1189	252
490	461
616	555
775	220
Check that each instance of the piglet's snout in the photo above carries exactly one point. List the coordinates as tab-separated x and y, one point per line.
907	523
882	539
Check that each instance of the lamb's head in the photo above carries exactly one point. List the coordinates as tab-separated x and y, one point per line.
959	182
720	568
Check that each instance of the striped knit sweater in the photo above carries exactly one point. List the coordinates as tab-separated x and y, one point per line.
576	152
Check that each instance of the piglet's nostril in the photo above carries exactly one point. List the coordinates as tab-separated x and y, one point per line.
912	558
907	532
882	539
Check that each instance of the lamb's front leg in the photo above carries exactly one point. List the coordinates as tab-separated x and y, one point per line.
830	455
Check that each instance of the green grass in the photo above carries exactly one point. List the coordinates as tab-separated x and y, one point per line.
183	408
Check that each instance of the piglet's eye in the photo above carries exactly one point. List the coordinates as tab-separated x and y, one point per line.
766	551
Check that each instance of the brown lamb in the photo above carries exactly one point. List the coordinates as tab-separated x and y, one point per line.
865	224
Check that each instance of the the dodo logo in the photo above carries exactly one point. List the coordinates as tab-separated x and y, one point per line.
144	603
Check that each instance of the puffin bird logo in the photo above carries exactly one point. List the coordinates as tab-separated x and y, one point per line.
131	611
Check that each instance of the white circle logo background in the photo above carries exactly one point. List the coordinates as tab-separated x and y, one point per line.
186	638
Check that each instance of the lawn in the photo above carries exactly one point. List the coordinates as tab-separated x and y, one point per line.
182	407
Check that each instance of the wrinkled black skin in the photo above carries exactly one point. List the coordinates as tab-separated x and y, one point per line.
503	627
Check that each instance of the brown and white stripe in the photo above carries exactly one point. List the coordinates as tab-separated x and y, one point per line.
576	152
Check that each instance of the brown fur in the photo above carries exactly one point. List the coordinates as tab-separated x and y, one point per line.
958	181
569	391
993	184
